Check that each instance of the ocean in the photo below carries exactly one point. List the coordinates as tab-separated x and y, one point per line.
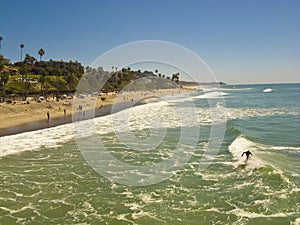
175	160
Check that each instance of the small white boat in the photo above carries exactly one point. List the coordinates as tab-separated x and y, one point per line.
267	90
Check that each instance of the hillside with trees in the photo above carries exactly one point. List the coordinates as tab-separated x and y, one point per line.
30	76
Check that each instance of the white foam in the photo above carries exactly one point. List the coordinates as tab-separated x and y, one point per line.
287	148
237	147
146	198
245	113
237	89
262	155
28	141
296	222
267	90
243	213
159	115
213	94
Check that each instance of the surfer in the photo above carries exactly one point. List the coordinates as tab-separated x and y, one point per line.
247	153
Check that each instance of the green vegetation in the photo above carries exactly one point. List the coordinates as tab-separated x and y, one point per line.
124	79
38	77
30	76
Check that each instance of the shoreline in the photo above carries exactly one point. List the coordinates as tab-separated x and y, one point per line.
14	123
44	124
57	121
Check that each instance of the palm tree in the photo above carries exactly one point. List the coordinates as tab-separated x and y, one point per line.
177	78
41	53
4	79
21	46
1	38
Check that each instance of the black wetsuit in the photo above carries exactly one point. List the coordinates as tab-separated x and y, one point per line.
248	153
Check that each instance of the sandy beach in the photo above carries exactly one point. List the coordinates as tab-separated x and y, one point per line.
22	117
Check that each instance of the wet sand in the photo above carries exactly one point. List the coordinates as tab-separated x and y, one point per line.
23	117
56	121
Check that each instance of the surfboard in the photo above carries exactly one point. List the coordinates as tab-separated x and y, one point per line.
242	165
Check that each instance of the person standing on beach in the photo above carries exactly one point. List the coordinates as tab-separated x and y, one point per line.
48	116
65	112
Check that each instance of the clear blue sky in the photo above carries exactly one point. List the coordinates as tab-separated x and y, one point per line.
242	41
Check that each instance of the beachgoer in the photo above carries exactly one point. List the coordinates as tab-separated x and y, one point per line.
65	112
247	153
48	116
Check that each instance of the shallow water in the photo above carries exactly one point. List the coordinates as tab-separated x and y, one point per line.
45	178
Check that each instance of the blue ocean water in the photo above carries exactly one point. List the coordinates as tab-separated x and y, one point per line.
47	179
